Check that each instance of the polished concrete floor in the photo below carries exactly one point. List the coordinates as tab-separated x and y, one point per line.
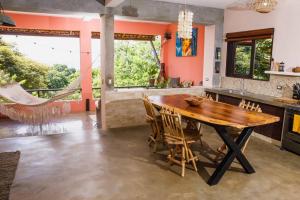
87	164
66	124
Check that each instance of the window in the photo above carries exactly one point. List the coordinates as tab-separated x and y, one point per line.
249	54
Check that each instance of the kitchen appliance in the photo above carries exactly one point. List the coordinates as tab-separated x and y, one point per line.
290	137
296	69
281	67
296	91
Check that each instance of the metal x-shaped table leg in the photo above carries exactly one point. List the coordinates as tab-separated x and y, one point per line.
233	152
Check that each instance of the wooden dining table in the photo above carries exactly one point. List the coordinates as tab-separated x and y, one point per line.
220	115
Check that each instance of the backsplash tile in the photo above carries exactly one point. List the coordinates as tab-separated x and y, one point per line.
263	87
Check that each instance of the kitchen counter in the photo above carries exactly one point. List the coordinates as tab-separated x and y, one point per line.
269	105
265	99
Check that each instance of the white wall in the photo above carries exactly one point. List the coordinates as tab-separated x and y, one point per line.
286	21
209	55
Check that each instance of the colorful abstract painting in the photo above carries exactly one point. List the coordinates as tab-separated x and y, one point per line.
187	47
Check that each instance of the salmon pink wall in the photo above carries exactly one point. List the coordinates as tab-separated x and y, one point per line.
187	68
39	21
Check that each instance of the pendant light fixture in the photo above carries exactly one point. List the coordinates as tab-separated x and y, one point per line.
4	19
185	23
264	6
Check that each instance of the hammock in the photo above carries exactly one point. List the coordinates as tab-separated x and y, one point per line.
33	110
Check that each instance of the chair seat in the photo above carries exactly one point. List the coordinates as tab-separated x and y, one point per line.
172	141
190	136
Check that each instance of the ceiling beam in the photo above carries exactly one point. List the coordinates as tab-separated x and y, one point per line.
54	6
113	3
102	2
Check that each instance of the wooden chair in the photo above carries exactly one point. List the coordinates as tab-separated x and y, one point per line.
209	97
155	123
236	132
178	142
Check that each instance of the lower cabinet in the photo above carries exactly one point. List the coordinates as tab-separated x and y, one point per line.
230	100
272	130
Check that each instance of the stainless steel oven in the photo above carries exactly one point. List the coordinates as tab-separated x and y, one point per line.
290	139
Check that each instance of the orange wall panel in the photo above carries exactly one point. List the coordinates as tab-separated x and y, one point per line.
187	68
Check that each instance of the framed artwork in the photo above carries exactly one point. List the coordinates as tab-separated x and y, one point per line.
187	47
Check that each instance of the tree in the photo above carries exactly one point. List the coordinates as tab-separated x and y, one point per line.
134	63
26	71
60	76
14	66
96	82
5	78
263	54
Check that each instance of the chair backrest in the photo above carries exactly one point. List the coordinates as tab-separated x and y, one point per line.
250	106
209	97
171	124
151	117
150	112
205	96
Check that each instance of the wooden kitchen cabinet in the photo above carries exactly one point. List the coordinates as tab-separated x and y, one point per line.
230	100
273	131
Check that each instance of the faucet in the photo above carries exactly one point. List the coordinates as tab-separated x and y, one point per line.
242	86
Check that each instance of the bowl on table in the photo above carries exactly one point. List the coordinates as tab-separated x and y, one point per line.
194	101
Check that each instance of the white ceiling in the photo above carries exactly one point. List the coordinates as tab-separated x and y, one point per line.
207	3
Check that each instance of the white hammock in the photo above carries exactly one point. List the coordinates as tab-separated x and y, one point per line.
33	110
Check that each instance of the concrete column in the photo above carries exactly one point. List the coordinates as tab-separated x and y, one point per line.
107	60
86	63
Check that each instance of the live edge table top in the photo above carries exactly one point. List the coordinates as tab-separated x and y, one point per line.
216	113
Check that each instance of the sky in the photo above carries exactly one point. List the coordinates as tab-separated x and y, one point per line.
53	50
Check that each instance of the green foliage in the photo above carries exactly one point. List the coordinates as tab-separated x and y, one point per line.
243	59
15	67
29	73
135	63
163	83
96	82
6	79
262	58
59	76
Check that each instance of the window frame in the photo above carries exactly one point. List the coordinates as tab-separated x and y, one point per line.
233	38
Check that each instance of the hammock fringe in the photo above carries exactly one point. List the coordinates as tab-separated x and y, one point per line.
33	110
37	115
